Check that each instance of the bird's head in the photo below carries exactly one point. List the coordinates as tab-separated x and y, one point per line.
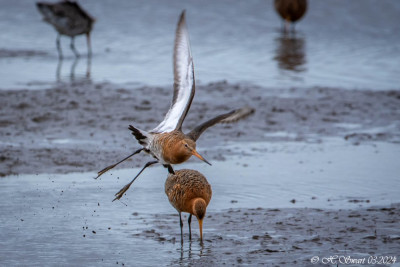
188	147
199	210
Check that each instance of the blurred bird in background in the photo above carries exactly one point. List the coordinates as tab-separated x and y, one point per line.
290	11
69	19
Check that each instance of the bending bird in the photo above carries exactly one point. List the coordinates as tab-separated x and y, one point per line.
189	191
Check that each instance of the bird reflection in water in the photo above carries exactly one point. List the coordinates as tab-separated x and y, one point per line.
189	254
290	52
72	76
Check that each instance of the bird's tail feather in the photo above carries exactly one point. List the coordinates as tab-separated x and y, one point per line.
141	136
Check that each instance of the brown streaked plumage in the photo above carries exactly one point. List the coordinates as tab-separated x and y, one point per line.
189	191
166	143
69	19
290	11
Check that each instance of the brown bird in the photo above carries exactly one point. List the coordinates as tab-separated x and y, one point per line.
189	191
290	11
167	143
68	18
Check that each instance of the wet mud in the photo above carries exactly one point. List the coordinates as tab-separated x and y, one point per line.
83	126
280	236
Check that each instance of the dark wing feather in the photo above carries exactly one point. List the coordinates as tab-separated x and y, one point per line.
229	117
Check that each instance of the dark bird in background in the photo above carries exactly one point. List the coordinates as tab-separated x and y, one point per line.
69	19
166	143
189	191
290	11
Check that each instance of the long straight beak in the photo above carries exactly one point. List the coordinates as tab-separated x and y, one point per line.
201	229
194	152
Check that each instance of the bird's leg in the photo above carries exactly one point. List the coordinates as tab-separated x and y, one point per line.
58	70
181	224
112	166
89	45
190	229
126	187
170	169
190	250
73	47
60	56
88	65
73	66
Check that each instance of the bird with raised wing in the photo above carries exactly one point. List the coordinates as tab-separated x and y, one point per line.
189	191
68	18
166	143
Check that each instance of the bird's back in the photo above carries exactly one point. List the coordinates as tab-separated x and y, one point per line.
184	186
67	17
291	10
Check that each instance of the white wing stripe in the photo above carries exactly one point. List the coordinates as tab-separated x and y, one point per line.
183	80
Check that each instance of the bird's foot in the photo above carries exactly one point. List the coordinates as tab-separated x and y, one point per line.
105	170
122	192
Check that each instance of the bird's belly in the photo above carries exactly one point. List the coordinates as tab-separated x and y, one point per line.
156	151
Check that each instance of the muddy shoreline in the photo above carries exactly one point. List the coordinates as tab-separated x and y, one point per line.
284	236
103	234
83	126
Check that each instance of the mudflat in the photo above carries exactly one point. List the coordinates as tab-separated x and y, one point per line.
84	126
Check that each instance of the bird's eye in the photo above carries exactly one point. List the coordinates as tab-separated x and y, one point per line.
186	145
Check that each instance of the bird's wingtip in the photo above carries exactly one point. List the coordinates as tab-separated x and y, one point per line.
182	16
239	114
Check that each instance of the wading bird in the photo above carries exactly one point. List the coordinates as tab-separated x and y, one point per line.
189	191
290	11
68	18
166	143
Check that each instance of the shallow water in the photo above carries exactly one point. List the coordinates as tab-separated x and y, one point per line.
53	219
338	44
49	219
